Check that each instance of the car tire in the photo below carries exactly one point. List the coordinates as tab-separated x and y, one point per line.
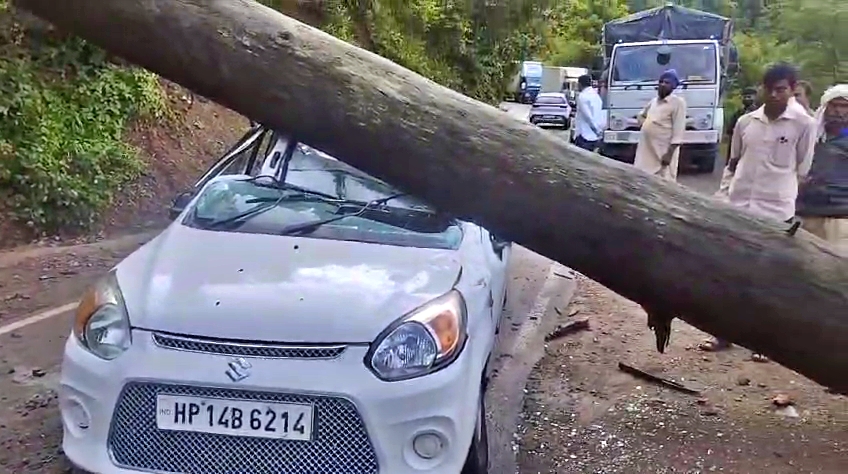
477	461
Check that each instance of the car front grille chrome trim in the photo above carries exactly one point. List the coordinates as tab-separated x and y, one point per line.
340	443
244	349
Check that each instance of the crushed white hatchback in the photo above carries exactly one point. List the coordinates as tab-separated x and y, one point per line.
298	316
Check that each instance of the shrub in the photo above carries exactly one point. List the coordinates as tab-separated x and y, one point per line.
63	110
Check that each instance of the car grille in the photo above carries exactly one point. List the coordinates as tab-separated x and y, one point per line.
340	444
268	351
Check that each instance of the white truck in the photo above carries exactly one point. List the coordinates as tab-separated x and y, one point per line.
639	48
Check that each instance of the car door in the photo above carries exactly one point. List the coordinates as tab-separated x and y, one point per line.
497	255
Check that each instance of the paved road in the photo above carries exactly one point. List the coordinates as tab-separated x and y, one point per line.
701	182
38	289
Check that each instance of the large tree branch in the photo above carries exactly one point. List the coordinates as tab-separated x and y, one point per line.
656	243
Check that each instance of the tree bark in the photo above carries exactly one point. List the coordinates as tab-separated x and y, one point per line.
724	271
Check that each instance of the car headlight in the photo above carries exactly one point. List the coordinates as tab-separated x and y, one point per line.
102	325
422	342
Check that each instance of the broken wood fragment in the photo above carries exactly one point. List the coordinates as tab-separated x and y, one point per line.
566	329
657	379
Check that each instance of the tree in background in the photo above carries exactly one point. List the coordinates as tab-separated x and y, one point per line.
574	30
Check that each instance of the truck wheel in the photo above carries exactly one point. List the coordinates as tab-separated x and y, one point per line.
707	165
477	461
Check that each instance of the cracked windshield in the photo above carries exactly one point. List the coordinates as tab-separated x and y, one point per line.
324	198
199	276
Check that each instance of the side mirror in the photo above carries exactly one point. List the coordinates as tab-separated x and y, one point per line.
179	204
498	245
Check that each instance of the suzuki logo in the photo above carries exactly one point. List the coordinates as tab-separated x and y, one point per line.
239	369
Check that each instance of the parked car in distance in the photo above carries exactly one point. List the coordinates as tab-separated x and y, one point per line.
297	316
551	109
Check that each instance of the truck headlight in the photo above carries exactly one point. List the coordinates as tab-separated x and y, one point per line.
422	342
102	325
616	123
704	123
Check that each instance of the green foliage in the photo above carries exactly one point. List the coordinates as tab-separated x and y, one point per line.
574	30
63	110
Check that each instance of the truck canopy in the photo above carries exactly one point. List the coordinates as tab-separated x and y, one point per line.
670	22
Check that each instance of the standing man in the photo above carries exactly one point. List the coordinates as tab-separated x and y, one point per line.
771	150
823	198
589	119
750	103
663	123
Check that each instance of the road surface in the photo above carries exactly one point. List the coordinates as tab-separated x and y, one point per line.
701	182
38	289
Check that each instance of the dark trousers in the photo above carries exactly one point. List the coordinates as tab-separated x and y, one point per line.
586	144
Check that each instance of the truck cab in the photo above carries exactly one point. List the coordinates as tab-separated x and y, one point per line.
528	82
632	76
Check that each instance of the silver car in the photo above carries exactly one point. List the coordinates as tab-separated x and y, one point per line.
551	109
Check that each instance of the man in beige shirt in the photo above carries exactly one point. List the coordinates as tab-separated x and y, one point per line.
663	123
770	152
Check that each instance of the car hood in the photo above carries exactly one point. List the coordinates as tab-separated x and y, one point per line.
278	289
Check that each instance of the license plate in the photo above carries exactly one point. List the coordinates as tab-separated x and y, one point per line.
552	117
622	137
290	421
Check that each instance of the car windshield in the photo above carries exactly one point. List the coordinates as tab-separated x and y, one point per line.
319	188
549	100
694	63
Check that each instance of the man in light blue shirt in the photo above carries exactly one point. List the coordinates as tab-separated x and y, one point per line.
589	118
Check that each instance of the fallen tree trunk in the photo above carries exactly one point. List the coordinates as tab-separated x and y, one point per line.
656	243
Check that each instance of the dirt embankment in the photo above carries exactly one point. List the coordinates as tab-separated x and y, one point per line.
584	415
175	151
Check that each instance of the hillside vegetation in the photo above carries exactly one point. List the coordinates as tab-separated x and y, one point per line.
65	106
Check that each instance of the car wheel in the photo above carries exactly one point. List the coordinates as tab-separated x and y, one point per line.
533	119
478	454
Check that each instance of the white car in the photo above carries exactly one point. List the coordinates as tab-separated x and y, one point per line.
550	109
298	316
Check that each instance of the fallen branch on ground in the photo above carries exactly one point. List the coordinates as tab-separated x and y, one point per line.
657	379
654	242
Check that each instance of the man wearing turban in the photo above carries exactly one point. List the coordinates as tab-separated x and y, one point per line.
663	123
823	196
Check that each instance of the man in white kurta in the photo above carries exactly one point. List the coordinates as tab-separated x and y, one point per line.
770	152
663	123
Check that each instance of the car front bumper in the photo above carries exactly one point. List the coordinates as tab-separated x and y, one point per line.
689	136
543	119
363	425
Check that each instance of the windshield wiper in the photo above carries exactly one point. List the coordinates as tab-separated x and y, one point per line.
277	184
311	226
265	206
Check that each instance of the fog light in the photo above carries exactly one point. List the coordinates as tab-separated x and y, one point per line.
76	414
427	445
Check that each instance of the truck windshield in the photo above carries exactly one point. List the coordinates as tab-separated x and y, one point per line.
694	63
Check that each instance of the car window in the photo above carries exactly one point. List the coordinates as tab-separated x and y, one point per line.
264	145
549	100
246	160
